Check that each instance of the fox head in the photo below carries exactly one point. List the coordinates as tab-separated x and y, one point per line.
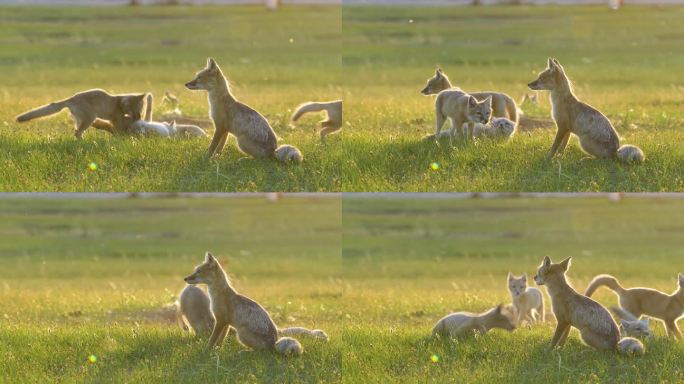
517	285
498	317
479	111
132	106
207	272
207	78
436	83
503	126
550	77
637	328
549	271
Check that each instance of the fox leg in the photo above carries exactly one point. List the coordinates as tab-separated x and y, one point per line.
439	119
254	340
329	127
564	142
221	143
564	336
596	340
672	329
560	134
218	135
103	125
560	329
82	123
215	338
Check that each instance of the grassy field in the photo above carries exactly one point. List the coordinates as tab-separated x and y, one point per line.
628	64
409	262
275	60
89	278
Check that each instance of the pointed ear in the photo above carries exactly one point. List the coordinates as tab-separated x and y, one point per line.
565	263
525	276
488	100
209	258
498	309
550	63
211	63
472	101
646	319
510	276
438	72
681	279
546	261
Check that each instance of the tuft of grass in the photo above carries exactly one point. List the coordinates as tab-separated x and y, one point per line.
389	52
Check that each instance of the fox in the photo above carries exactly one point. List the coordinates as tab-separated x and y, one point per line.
596	326
498	127
596	134
462	109
646	301
527	301
333	109
194	311
631	326
255	328
502	104
464	323
254	135
87	106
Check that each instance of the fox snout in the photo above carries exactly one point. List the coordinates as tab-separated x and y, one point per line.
190	279
191	85
425	91
534	86
538	280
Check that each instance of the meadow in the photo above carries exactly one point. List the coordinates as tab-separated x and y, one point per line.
408	262
627	63
274	61
83	284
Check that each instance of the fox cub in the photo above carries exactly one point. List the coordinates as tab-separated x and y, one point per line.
254	134
596	326
527	301
646	301
595	132
464	323
502	104
194	311
333	110
88	106
631	326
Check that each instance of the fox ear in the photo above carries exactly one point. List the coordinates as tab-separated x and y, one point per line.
681	279
472	101
498	309
645	319
211	63
438	72
510	276
565	263
546	261
209	258
524	276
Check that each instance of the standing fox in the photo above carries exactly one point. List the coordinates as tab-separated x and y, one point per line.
502	104
597	327
527	301
647	301
464	323
254	135
333	110
87	106
595	132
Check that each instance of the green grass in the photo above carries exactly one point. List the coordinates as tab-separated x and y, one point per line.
275	60
89	277
409	262
628	64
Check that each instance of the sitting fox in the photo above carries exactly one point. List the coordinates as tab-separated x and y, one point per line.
87	106
647	301
333	109
595	132
255	328
596	326
502	104
527	301
254	135
465	323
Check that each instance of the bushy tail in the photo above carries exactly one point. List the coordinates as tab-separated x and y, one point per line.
288	346
286	153
45	110
623	314
630	346
306	108
148	108
600	280
630	153
299	331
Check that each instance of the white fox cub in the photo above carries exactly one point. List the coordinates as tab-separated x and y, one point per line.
255	328
333	109
646	301
465	323
596	326
194	311
255	136
498	127
595	132
631	326
148	127
527	301
502	104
